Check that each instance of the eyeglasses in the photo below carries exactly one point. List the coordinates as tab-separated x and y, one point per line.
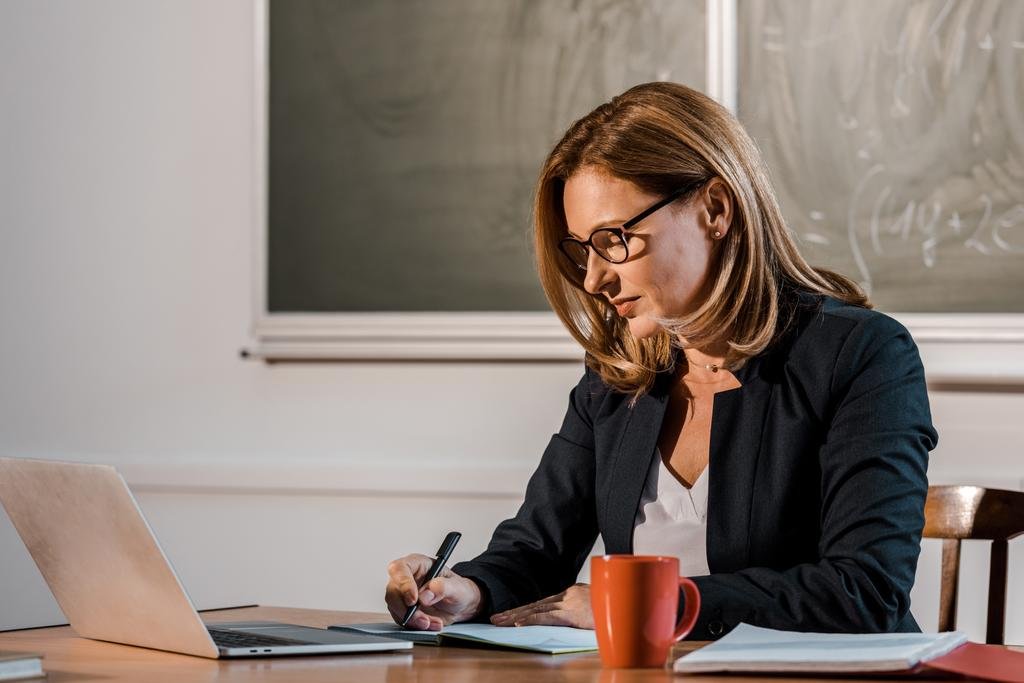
611	243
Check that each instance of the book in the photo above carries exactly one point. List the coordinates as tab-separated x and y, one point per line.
753	649
18	665
553	640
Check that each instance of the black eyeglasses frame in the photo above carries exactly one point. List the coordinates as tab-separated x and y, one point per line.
619	231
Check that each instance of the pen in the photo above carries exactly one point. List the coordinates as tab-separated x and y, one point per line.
443	553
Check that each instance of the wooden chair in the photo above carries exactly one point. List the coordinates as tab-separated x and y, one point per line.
954	513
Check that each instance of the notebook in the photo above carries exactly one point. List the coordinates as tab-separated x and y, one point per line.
19	665
754	649
553	640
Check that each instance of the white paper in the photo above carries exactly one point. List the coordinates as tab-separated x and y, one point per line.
533	637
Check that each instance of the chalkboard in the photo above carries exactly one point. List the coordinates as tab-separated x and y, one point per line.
895	137
405	138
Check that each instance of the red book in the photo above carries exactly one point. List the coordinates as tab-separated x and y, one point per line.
990	662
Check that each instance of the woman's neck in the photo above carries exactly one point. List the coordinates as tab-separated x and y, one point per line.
709	354
703	366
706	356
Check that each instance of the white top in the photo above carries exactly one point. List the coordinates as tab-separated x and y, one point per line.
672	520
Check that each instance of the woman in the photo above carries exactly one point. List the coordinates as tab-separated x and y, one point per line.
740	409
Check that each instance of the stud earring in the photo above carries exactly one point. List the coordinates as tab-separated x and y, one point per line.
717	234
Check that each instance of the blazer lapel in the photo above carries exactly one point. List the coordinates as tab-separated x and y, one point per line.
631	464
737	424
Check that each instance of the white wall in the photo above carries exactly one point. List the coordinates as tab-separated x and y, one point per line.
126	214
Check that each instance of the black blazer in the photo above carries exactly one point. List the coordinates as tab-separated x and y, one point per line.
817	484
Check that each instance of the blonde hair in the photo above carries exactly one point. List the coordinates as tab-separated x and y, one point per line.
660	137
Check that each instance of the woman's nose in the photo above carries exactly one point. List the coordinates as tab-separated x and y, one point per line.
599	273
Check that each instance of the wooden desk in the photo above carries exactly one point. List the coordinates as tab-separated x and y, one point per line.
69	658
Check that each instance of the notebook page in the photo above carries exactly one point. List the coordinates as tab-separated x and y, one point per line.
551	639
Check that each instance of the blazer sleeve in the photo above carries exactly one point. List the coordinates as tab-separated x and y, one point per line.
541	550
873	488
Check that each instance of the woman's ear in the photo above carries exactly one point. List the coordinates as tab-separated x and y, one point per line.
717	210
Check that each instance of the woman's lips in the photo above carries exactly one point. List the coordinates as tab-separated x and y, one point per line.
626	307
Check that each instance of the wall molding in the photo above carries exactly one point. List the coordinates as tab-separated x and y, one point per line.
959	349
969	350
448	481
413	336
323	478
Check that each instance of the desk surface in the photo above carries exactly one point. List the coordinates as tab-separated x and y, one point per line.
69	658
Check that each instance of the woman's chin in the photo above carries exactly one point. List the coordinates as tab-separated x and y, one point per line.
642	327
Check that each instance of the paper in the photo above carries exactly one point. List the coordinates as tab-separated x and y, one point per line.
20	665
553	639
751	648
549	639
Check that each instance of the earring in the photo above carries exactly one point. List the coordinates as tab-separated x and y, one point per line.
718	234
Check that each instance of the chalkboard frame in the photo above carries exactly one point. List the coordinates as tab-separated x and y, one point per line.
959	348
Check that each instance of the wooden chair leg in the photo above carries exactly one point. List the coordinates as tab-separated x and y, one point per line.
949	584
997	593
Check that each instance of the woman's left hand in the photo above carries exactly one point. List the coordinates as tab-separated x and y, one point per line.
571	607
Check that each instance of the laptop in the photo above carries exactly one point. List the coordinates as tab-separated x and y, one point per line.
86	533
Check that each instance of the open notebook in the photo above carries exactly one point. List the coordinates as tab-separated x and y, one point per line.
553	640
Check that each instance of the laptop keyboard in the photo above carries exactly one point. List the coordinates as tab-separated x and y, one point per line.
235	639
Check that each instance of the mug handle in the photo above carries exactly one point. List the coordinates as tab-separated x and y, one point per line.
690	610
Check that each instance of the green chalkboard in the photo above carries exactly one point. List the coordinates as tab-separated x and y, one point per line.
895	136
405	138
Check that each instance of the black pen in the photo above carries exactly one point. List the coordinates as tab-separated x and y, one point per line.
443	553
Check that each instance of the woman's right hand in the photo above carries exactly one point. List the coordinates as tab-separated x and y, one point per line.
445	600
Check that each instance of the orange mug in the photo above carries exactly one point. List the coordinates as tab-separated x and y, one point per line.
634	598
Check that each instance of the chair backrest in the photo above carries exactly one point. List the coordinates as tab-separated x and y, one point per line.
954	513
